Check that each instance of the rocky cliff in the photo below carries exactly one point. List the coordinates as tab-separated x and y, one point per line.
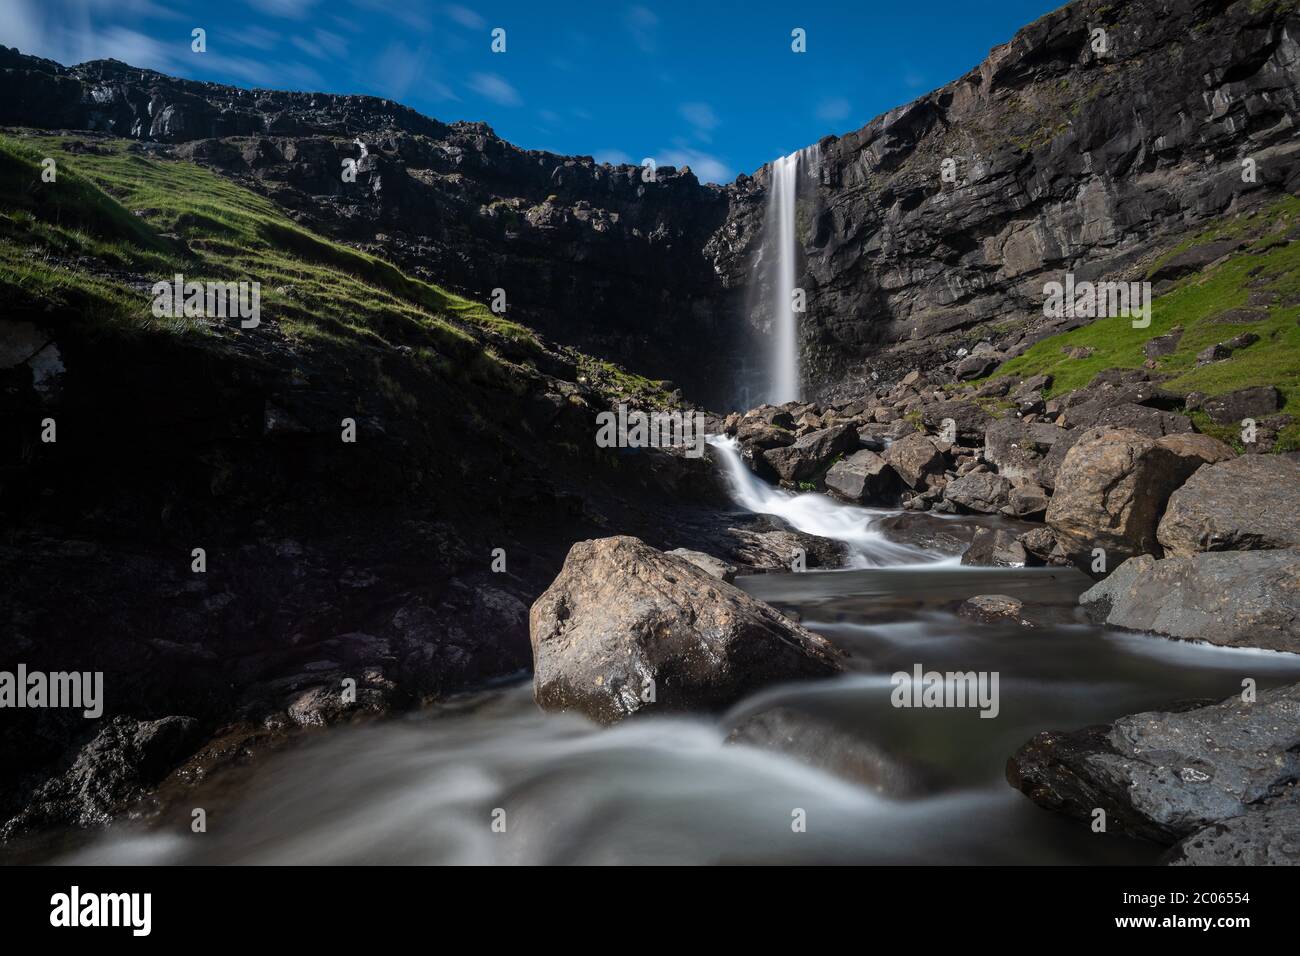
1093	141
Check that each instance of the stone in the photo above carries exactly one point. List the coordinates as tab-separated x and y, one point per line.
1112	488
1228	598
707	563
914	458
1166	775
1232	408
812	453
993	609
863	476
624	629
1240	504
981	492
995	547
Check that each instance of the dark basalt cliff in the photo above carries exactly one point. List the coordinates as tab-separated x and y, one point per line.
1070	155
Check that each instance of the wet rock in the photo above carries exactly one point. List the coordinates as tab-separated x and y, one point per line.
995	547
863	476
822	744
1229	598
914	459
707	563
1113	485
811	453
993	609
1165	775
1242	504
123	760
625	628
1268	834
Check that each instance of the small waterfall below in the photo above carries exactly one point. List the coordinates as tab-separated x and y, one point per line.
780	256
820	515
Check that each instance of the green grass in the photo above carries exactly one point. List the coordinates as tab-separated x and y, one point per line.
1265	264
116	208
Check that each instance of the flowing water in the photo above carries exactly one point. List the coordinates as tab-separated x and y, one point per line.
427	789
781	256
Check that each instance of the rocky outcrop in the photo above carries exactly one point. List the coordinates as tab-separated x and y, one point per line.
625	629
1230	598
1113	485
1241	504
1216	777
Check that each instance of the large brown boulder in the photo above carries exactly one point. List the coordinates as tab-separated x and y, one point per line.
625	628
1112	488
1242	504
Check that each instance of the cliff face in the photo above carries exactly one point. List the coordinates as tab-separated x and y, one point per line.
1065	159
1070	153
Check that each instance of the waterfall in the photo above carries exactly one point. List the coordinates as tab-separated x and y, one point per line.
781	257
820	515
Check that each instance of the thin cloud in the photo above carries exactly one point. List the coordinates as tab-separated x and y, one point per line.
287	9
465	17
495	88
701	117
706	167
643	24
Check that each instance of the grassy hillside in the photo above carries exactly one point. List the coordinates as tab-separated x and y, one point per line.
1263	278
119	218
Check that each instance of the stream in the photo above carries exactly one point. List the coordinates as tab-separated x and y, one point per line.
426	788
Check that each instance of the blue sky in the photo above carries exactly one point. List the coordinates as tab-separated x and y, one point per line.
712	85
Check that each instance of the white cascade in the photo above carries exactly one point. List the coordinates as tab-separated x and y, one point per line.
781	256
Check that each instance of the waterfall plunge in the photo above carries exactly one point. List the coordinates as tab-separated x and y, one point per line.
780	256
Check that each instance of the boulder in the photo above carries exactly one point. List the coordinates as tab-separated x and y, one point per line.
1267	834
707	563
1026	500
1166	775
1244	403
914	458
981	492
1016	449
863	476
995	547
763	435
1242	504
1113	485
1230	598
625	628
970	419
993	609
811	453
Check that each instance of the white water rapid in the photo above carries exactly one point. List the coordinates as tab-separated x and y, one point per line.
817	514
